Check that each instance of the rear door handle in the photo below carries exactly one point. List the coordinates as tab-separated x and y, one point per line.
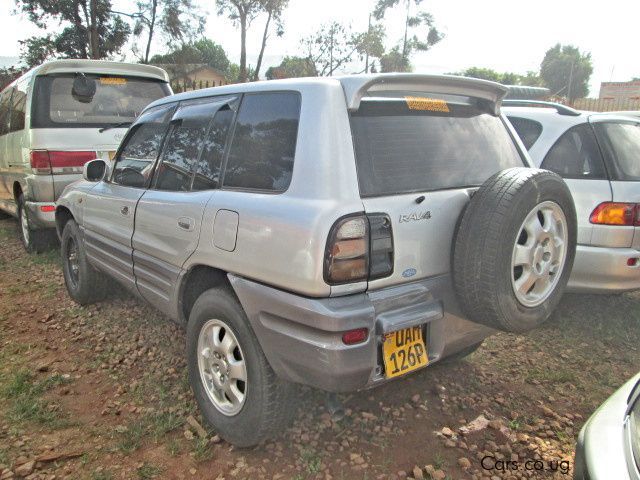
186	223
124	210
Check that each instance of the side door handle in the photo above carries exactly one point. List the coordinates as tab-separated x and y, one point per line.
186	223
124	210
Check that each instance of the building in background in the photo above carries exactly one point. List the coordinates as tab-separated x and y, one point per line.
191	76
620	91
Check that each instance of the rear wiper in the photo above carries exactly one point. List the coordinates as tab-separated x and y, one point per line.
117	125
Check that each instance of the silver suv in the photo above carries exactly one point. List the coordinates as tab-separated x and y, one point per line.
333	232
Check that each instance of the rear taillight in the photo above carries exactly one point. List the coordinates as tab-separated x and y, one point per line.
54	161
353	337
616	213
359	248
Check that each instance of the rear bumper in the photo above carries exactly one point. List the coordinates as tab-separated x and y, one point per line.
604	270
40	219
302	337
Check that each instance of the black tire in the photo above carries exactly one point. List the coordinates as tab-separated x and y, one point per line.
33	241
465	352
485	242
4	215
269	402
86	285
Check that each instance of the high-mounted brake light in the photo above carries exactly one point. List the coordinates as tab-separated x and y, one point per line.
616	213
359	248
48	161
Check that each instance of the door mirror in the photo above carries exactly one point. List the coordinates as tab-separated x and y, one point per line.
94	170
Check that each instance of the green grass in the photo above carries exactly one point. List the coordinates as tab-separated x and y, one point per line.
201	450
101	475
147	471
24	394
312	461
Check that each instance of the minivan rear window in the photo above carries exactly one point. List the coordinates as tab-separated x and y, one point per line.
117	99
405	145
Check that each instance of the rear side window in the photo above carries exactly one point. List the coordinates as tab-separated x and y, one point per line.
621	144
528	130
412	145
141	147
5	109
18	106
264	142
116	99
576	155
208	168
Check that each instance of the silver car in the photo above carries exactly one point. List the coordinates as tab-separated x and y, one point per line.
333	232
598	155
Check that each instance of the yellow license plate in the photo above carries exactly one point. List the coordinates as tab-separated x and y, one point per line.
404	351
112	154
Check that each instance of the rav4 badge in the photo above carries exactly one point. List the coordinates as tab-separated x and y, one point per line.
414	217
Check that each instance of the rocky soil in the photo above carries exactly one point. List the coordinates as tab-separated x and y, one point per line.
101	393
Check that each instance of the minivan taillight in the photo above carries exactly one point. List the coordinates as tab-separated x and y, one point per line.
359	248
48	161
616	213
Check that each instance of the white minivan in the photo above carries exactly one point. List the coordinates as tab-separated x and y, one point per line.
54	119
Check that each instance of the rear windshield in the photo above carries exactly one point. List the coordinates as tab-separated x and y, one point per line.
414	144
116	99
621	146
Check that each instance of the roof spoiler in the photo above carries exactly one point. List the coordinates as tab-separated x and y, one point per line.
560	108
357	86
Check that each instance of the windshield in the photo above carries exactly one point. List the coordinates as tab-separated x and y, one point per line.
415	144
106	101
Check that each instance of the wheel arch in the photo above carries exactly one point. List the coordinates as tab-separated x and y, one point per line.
198	279
63	215
17	191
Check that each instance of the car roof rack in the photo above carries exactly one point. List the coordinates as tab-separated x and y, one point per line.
560	108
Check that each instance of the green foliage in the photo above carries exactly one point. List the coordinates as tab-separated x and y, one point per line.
292	67
201	51
507	78
79	36
566	71
395	61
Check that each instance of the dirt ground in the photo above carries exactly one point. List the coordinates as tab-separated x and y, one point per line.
101	393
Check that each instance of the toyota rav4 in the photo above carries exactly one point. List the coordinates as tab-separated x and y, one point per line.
333	232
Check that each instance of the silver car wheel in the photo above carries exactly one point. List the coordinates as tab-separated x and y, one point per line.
222	368
24	225
539	254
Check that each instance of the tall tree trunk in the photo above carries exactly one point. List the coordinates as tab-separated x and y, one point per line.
265	35
152	24
86	52
243	46
93	30
406	31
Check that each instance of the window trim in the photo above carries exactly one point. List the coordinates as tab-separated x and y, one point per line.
509	117
606	175
231	136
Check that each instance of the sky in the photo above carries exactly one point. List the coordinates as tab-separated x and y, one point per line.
506	35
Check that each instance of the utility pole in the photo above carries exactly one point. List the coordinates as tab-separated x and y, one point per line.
570	82
366	64
331	51
406	31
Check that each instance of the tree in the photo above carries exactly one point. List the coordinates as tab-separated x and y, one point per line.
394	61
420	31
177	20
292	67
242	13
90	29
370	44
566	71
202	51
530	79
274	9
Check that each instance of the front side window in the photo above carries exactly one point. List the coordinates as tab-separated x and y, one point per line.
185	142
134	164
91	101
264	142
528	130
415	144
5	111
576	155
18	107
621	144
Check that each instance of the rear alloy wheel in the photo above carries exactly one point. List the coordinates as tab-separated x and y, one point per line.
514	249
33	241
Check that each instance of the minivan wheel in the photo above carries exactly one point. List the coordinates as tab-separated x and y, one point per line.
514	249
84	283
33	241
238	393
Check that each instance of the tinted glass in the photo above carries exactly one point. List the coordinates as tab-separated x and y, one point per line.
208	168
141	148
184	144
621	142
528	130
264	142
405	146
116	100
18	106
576	155
5	109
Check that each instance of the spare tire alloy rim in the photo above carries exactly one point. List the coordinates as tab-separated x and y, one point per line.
539	254
72	261
222	368
24	225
